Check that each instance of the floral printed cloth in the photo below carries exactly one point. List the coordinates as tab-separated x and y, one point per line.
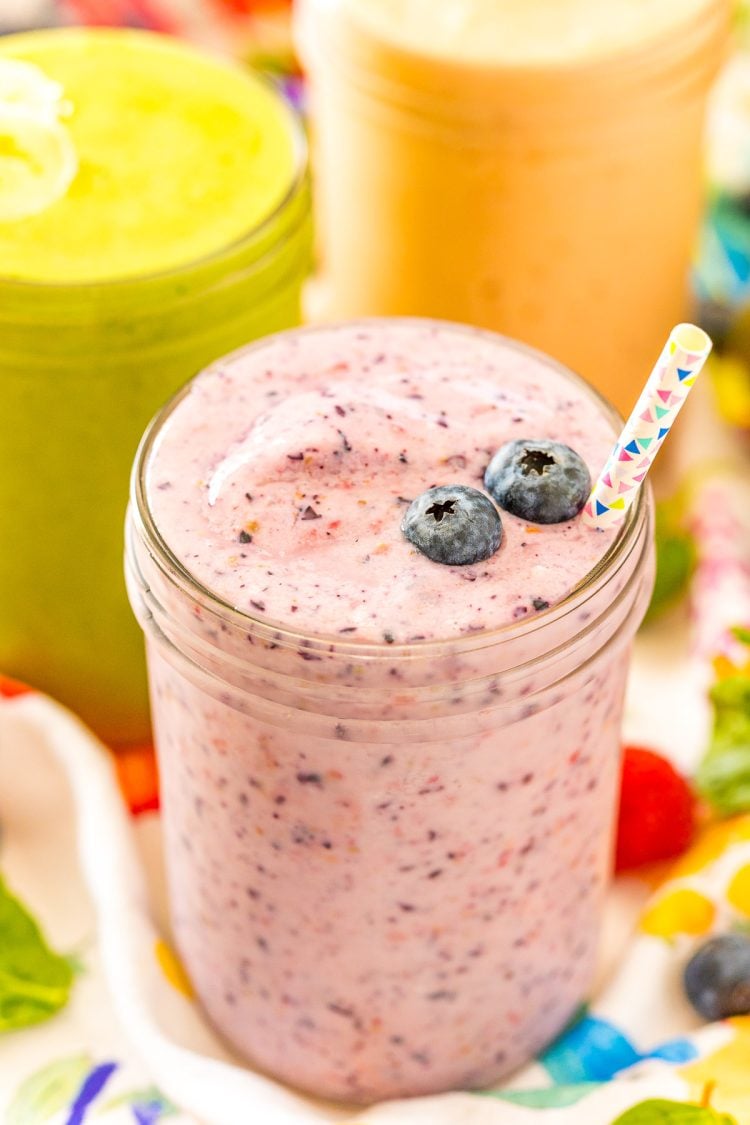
132	1045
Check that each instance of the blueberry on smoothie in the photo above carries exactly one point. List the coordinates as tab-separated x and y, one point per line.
717	977
454	525
539	481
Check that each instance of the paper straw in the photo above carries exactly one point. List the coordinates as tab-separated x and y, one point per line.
661	400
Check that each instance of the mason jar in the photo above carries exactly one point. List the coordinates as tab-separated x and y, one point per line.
533	168
83	366
386	861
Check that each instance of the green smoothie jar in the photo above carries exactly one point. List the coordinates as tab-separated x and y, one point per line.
154	214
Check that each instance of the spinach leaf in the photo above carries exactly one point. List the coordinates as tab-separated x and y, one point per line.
658	1111
35	982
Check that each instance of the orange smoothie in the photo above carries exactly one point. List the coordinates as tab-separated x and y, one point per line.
532	166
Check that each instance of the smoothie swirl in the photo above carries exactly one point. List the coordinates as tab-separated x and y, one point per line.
281	479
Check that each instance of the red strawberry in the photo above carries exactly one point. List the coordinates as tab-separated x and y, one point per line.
657	810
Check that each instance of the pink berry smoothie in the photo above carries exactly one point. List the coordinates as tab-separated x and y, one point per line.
388	783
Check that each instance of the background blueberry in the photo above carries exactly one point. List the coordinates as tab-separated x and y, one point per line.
717	977
453	524
540	481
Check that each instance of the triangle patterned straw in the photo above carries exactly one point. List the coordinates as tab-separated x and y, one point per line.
679	365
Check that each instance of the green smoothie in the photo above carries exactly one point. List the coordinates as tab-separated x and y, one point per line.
155	217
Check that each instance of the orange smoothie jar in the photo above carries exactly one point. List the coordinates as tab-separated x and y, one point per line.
531	166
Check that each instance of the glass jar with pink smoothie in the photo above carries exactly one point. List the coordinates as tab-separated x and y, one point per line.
389	783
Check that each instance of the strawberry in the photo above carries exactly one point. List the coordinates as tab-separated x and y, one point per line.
657	810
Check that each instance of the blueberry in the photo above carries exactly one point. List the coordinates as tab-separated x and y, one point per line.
454	525
717	977
540	481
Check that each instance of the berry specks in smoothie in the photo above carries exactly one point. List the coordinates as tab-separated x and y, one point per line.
309	778
331	461
454	525
541	481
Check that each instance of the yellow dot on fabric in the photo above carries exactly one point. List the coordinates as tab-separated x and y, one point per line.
726	1069
738	891
680	912
172	969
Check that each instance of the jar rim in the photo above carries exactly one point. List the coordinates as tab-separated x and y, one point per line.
181	577
679	55
245	240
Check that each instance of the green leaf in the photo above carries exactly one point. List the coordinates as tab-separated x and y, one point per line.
732	695
48	1091
657	1111
723	776
675	557
741	634
34	981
